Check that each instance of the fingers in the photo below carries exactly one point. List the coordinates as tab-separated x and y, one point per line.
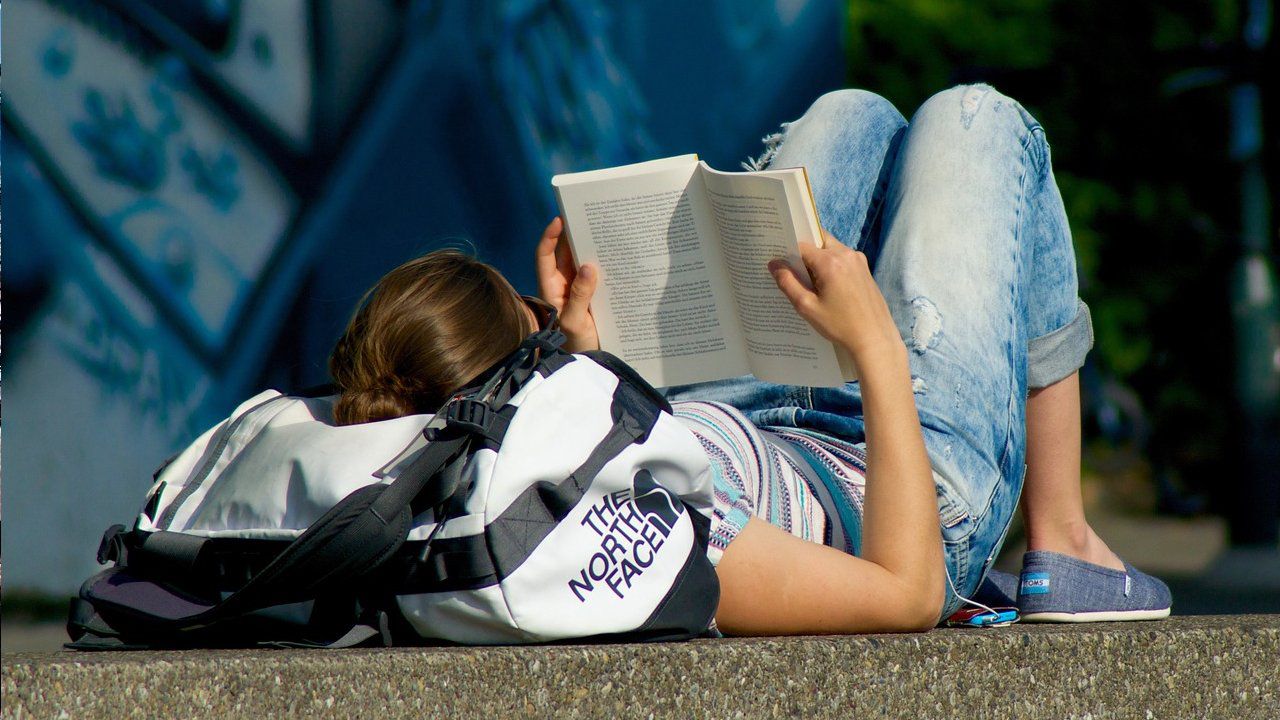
827	268
831	247
564	255
795	291
544	256
575	314
813	258
831	261
839	298
550	237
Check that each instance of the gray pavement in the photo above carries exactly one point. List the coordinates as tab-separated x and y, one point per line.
1207	666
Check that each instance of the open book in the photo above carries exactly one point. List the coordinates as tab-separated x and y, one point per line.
685	293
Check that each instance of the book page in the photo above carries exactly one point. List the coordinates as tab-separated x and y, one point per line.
755	223
662	304
804	217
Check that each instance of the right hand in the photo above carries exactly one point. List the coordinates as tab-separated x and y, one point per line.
568	287
845	304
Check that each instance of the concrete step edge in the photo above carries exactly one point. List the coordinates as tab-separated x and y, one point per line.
1203	666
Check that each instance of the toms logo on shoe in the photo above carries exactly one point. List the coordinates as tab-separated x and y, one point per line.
1034	584
632	527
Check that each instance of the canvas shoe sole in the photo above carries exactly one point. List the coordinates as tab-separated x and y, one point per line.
1096	616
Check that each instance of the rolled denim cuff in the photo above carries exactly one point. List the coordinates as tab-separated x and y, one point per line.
1056	355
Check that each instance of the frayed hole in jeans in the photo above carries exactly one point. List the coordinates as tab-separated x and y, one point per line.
771	142
918	385
926	325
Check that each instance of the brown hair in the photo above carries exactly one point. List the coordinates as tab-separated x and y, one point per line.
427	328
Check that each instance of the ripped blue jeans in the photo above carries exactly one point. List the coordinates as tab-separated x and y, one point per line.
964	228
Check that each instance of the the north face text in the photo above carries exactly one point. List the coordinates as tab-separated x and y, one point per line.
633	525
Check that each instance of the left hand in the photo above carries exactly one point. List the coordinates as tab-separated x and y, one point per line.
568	287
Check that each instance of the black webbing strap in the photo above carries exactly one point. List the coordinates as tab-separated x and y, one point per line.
165	553
412	483
551	362
550	339
172	554
533	514
507	379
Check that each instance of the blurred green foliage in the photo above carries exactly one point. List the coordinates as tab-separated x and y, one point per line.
1145	174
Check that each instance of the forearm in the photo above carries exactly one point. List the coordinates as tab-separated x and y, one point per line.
900	526
900	534
774	583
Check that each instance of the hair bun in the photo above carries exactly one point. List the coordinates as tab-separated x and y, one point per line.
369	404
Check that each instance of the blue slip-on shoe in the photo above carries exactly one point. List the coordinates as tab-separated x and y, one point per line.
998	589
1059	588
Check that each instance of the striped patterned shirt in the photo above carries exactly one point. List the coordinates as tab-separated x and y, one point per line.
807	483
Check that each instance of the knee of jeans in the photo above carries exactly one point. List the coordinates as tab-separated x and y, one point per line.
963	104
852	106
837	114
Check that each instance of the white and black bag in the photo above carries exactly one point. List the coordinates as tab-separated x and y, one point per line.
555	499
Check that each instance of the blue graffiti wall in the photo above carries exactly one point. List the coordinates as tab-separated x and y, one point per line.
198	192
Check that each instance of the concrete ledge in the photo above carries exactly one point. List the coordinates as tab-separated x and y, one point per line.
1209	666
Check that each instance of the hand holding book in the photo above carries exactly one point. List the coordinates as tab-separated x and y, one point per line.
568	287
843	302
684	291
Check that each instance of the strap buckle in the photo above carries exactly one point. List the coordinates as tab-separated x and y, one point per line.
471	415
477	417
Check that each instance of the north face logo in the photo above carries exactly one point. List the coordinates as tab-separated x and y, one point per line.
633	526
655	502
